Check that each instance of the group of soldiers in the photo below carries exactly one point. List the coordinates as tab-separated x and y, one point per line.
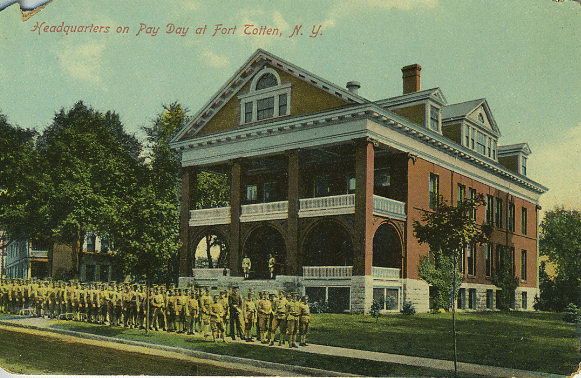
188	310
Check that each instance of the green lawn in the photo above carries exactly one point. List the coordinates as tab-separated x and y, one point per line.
529	341
24	353
519	340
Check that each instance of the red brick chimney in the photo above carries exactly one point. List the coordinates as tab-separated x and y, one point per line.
411	78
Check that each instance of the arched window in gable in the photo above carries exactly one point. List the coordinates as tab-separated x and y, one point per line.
268	97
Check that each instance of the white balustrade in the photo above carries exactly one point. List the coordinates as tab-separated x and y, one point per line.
381	272
39	254
208	217
209	273
264	211
313	272
388	208
332	205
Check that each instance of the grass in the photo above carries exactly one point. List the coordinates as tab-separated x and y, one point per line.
24	353
519	340
278	355
531	341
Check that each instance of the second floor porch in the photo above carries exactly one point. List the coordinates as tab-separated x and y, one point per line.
308	207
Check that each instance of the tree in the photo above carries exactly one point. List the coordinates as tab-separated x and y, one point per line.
449	230
560	241
504	277
90	165
148	235
20	211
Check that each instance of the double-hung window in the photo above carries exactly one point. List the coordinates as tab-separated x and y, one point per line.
267	97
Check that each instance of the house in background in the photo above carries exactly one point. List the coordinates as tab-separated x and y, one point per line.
328	184
94	261
26	259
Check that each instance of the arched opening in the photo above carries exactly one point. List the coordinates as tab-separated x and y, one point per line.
328	244
262	244
387	249
211	251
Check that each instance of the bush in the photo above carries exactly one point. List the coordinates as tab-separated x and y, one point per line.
376	308
408	308
319	307
571	314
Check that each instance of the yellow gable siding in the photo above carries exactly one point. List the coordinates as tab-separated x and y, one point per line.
305	98
414	113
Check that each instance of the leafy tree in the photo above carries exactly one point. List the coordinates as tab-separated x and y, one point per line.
148	235
560	241
19	211
212	190
90	165
448	230
503	277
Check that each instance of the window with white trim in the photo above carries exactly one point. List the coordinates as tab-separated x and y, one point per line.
267	97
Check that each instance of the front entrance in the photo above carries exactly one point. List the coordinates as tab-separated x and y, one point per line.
262	244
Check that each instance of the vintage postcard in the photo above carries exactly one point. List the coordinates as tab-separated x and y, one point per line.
315	144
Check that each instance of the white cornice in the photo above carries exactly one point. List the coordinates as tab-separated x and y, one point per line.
333	127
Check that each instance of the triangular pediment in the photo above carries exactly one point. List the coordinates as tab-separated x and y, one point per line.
224	110
476	111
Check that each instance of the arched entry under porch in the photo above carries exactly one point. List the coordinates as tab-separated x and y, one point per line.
262	244
327	243
387	247
210	250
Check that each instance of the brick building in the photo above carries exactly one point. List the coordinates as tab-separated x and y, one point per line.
329	184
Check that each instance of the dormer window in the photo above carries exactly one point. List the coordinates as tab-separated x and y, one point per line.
434	118
523	166
267	97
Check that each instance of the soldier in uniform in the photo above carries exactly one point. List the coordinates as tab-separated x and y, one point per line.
127	306
246	266
304	320
192	312
249	315
224	302
156	302
292	319
216	313
180	310
271	265
205	303
264	309
278	319
235	305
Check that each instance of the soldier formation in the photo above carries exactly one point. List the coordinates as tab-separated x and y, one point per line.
191	311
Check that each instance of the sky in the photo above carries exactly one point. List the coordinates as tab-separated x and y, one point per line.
132	57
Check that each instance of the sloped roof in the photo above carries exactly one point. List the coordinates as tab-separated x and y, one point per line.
244	74
465	109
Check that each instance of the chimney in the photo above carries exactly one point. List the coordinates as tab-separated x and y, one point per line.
411	78
353	87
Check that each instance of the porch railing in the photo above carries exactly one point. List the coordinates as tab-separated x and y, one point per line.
264	211
327	271
381	272
388	207
209	273
332	205
209	217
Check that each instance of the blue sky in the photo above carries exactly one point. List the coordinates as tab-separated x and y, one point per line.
522	56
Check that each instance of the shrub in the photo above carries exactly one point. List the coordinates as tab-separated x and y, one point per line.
376	308
408	308
319	307
571	313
